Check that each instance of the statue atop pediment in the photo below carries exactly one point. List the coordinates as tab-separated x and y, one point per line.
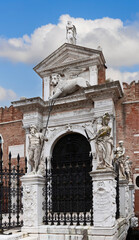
71	33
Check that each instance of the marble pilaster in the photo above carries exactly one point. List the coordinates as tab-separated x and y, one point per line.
104	198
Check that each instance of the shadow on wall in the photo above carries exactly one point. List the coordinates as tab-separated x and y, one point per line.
133	234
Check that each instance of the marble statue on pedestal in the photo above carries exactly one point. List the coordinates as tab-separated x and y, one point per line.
35	147
128	169
104	144
120	158
71	33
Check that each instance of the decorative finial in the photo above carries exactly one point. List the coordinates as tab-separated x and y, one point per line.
71	33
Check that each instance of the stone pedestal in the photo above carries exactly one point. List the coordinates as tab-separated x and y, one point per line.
124	197
104	198
131	198
33	200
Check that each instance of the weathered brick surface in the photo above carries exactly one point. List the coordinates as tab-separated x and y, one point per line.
11	130
102	75
127	126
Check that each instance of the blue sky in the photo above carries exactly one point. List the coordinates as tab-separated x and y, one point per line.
31	29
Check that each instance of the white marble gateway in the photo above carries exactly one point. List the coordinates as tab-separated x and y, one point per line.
70	76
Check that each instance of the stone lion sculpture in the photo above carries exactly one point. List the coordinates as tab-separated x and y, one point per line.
63	87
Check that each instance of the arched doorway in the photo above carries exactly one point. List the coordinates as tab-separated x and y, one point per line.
71	182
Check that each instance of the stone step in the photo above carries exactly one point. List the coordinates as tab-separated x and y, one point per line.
29	238
18	236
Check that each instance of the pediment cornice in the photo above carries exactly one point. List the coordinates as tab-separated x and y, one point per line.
68	55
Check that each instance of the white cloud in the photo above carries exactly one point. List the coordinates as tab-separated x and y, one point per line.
128	77
7	94
120	43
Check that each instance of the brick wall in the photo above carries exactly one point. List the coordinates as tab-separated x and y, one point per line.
101	75
11	131
127	125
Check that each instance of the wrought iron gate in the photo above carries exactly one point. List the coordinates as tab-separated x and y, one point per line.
11	194
69	185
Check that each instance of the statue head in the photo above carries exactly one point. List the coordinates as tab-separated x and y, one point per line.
121	143
54	79
33	129
105	119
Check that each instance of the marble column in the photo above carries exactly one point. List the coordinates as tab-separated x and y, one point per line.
33	200
104	198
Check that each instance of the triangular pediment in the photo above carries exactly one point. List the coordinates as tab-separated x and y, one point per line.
66	54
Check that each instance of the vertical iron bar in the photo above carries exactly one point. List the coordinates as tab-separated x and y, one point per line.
117	192
78	198
18	190
1	191
9	191
84	223
91	222
71	194
26	165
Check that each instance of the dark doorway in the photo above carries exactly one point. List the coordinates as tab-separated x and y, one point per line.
71	182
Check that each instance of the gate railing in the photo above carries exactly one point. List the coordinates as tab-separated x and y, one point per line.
70	203
11	208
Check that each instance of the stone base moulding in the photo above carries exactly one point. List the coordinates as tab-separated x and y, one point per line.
118	232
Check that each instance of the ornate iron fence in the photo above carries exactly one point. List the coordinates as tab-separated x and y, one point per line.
11	194
69	198
70	202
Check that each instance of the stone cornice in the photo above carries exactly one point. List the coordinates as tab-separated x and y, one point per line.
84	62
108	90
81	56
81	100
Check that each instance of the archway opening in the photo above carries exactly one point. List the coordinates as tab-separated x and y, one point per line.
71	182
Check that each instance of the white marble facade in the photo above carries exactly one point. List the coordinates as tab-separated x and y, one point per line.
79	110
